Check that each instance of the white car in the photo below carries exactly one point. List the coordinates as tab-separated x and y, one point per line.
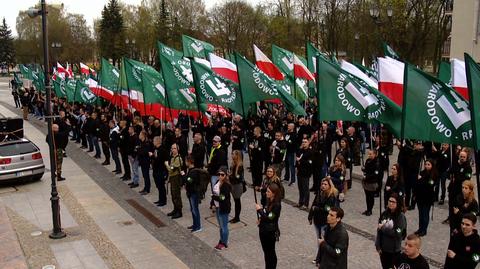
20	160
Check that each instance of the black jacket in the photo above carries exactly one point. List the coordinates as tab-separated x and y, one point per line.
467	251
389	238
133	143
424	188
223	198
320	207
258	151
269	218
279	151
198	154
305	164
142	152
372	171
459	202
191	180
334	250
160	156
123	140
291	139
461	172
219	158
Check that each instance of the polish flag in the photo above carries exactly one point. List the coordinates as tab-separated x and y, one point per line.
390	82
84	69
224	67
62	72
266	65
300	70
99	90
459	77
69	73
352	69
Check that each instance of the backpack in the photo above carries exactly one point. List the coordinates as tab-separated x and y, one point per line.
204	180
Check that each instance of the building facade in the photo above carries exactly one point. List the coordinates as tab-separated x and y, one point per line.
465	34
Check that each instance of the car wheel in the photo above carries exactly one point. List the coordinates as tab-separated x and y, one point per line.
37	177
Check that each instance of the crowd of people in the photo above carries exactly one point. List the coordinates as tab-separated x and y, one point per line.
283	149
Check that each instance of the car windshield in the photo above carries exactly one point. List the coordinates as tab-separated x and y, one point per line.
17	149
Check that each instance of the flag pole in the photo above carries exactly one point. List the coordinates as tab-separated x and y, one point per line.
166	89
197	96
472	96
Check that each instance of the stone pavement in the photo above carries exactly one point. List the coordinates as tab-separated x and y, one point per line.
107	202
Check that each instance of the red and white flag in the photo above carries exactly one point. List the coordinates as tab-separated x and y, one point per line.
300	70
99	90
266	65
459	77
61	71
352	69
224	67
390	82
69	73
84	69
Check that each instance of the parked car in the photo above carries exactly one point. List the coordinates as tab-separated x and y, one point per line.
20	160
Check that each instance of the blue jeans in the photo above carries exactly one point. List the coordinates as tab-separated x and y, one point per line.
213	181
90	142
134	164
423	217
223	224
98	153
193	199
290	167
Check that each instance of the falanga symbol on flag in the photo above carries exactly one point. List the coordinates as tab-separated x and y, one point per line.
87	95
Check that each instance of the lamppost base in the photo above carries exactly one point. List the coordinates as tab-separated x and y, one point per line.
57	235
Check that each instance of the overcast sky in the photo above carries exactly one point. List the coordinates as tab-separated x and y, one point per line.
91	9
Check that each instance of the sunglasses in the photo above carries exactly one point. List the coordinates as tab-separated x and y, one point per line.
221	174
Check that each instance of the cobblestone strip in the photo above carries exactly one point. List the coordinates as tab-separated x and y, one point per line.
90	230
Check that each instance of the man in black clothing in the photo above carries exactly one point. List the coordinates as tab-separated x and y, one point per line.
159	156
461	171
217	158
238	138
123	145
104	135
292	146
256	151
60	140
304	169
464	248
182	143
198	151
442	156
268	138
411	257
334	244
114	139
278	151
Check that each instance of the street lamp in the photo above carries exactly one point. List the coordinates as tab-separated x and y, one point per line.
57	231
131	44
231	42
357	37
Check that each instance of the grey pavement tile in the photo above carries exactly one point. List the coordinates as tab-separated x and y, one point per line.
67	259
93	262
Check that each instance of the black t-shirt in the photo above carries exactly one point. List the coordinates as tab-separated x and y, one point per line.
403	262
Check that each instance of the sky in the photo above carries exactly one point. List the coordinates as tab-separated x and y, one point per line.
91	9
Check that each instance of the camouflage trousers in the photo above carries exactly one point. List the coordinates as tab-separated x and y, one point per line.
59	161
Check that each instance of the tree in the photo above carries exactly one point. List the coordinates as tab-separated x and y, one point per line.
112	32
7	50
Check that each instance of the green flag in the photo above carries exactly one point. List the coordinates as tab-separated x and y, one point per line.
343	96
473	81
283	59
432	111
109	76
83	94
213	89
256	86
178	80
153	88
38	79
370	72
70	87
388	51
196	48
445	72
26	72
59	88
17	79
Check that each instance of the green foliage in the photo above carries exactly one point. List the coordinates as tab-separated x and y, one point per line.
7	50
112	32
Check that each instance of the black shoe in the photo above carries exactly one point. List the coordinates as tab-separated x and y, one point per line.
60	178
441	202
312	189
83	147
160	205
118	172
376	194
173	212
234	220
177	215
89	150
190	227
144	192
134	186
367	213
291	183
412	207
126	179
106	163
96	157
